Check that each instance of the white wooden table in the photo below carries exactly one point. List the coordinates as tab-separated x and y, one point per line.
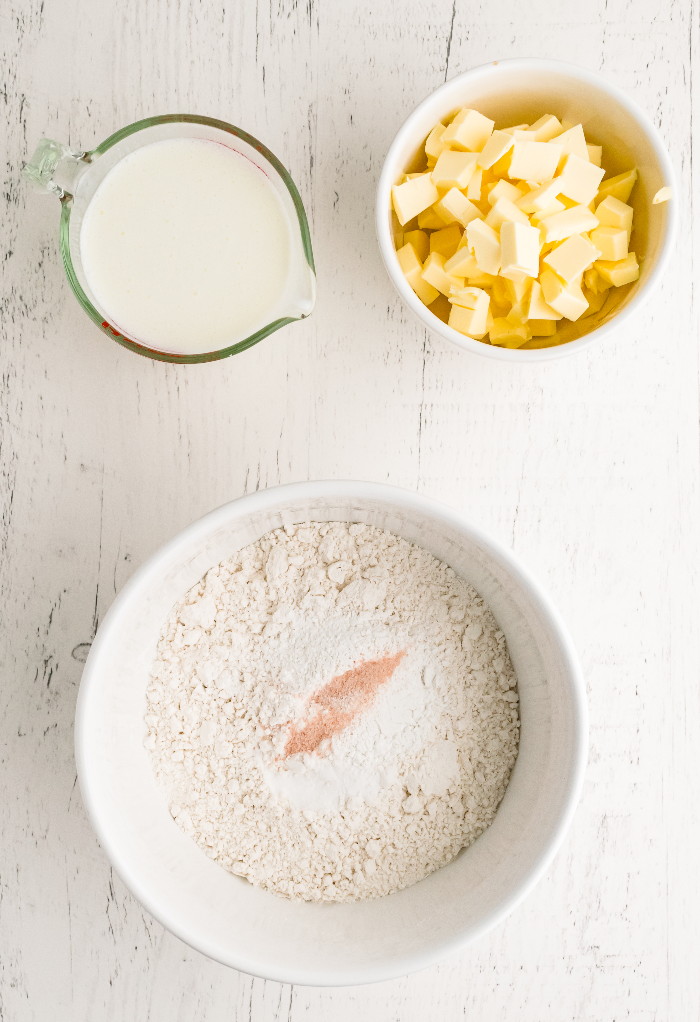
587	466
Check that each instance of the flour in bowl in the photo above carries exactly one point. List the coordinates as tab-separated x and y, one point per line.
332	713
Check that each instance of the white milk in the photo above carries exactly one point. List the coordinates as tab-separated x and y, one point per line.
185	245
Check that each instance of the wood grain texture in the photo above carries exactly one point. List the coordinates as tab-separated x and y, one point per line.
588	467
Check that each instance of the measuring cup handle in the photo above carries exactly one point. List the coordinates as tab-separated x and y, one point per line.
48	157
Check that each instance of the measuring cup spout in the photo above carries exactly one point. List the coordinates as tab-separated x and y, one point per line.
54	167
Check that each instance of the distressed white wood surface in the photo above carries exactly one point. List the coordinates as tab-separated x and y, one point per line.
588	467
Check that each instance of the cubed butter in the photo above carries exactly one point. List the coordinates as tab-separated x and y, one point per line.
485	244
504	210
434	273
420	241
611	242
433	143
546	127
663	195
619	187
567	299
453	169
520	250
515	127
554	207
469	130
412	197
470	309
534	161
508	333
462	263
429	220
474	186
579	179
498	145
595	154
537	307
572	140
611	212
571	258
456	206
504	189
539	198
619	273
412	269
446	240
576	220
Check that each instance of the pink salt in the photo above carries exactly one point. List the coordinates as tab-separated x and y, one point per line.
340	701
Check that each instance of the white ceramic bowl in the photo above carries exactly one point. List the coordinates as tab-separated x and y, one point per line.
519	91
316	944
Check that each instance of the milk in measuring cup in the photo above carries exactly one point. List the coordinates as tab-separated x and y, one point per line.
186	246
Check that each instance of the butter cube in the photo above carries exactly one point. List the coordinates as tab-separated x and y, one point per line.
572	140
515	127
579	179
520	250
453	170
571	258
540	198
554	207
576	220
469	130
593	280
481	279
470	310
446	240
398	240
507	333
619	187
611	242
613	213
413	197
456	206
663	195
569	300
474	186
537	308
534	161
412	269
420	241
619	273
462	264
501	168
595	154
434	273
504	189
505	210
485	244
433	143
498	145
546	128
542	327
468	322
429	220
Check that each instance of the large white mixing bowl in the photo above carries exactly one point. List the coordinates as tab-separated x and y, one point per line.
320	944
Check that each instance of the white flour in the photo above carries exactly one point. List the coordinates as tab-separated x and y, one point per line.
414	776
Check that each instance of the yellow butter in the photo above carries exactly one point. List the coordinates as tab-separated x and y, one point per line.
420	242
619	187
453	169
412	269
455	206
571	258
580	179
566	299
446	240
433	143
520	250
546	128
434	273
504	210
611	242
534	161
499	143
537	307
412	197
469	130
576	220
619	273
485	244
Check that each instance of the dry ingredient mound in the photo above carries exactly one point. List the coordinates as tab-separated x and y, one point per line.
332	713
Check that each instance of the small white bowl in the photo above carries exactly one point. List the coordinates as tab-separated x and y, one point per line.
519	91
317	944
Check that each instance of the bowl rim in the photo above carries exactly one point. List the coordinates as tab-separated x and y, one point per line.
276	497
386	241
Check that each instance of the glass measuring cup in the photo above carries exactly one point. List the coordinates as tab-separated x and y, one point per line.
74	176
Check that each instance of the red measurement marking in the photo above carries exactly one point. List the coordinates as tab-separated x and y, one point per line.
106	326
